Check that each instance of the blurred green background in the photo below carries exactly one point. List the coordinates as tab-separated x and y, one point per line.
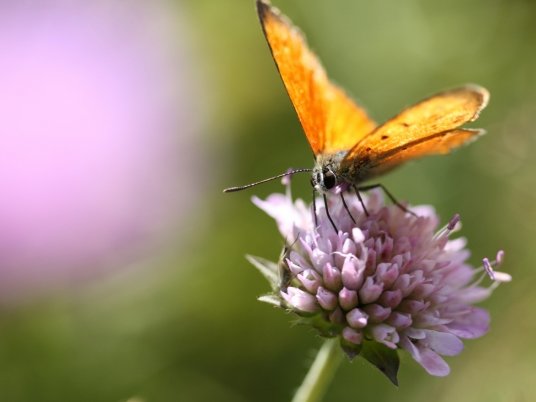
190	329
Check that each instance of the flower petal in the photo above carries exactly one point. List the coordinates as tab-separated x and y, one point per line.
427	358
444	343
300	300
351	335
357	318
471	325
326	299
385	334
473	294
287	214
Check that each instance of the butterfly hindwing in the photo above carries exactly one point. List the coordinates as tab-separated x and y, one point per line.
441	143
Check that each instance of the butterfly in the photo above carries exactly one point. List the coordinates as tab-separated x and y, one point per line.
349	147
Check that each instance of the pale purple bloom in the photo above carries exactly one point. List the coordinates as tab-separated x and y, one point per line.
97	132
391	278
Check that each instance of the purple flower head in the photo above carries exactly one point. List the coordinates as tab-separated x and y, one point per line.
389	281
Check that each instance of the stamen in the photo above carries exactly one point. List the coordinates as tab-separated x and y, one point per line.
448	228
500	257
496	276
501	277
487	267
285	180
453	222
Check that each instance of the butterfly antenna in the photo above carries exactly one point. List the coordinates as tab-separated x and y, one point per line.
291	172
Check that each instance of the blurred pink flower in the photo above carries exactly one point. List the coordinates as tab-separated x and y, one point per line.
97	119
389	281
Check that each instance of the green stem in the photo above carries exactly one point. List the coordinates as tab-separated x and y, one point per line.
320	374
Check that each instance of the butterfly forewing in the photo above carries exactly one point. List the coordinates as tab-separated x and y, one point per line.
440	113
346	124
331	120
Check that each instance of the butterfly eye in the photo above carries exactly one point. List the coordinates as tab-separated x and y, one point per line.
329	180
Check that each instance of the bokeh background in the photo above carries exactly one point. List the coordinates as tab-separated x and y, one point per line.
122	270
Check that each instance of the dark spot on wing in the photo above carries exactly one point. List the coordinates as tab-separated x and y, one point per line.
405	124
384	137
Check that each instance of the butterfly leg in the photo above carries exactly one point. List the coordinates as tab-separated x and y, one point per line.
346	207
314	208
327	213
391	197
361	200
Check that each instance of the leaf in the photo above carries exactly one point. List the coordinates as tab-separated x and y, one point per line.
383	358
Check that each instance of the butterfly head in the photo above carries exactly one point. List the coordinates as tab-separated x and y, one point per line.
325	175
323	179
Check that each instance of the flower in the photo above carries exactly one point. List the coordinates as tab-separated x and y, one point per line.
98	125
389	281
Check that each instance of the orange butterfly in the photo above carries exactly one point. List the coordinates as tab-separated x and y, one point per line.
349	147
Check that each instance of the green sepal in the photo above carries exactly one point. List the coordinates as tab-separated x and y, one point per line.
325	328
272	299
318	321
268	269
350	350
383	358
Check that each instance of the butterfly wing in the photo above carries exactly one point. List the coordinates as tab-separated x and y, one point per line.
441	143
425	128
330	119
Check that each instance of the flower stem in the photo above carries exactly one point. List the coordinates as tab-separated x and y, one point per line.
319	377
